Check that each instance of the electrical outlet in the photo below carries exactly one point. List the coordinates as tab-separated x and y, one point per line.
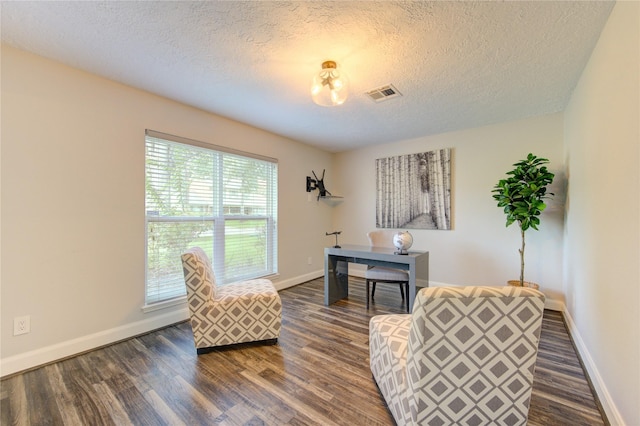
309	260
21	325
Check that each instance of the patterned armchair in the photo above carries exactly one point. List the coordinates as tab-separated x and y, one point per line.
466	355
241	312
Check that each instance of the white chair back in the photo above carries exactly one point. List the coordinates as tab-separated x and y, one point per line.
381	238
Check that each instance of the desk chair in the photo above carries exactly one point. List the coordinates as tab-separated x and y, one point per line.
380	274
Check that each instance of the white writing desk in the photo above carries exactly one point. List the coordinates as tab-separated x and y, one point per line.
336	270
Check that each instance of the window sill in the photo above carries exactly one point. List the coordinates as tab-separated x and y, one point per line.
182	300
164	304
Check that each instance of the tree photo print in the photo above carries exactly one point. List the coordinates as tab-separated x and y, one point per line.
414	191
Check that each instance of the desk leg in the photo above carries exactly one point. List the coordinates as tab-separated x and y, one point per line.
336	279
421	272
412	289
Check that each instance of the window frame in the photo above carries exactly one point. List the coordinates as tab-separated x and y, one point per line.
219	216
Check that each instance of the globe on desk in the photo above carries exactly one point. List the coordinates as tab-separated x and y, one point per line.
402	240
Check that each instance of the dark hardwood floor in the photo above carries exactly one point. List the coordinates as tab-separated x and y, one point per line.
317	374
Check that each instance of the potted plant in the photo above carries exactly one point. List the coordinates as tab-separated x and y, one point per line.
522	196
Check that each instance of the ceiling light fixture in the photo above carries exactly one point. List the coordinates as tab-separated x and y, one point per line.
330	86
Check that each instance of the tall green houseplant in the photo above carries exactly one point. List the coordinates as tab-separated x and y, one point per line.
522	196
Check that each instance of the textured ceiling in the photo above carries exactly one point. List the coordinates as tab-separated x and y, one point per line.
458	64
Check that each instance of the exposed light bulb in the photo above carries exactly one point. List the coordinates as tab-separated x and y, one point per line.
330	86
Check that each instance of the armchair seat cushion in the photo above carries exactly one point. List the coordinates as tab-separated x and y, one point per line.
241	312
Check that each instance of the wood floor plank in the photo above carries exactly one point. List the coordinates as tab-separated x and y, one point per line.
114	408
317	374
62	396
15	410
169	416
43	410
88	404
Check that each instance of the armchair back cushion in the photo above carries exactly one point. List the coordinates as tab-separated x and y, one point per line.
466	355
199	277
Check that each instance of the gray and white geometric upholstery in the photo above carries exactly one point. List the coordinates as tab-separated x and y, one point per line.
241	312
465	355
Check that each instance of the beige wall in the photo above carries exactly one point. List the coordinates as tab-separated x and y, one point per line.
602	251
479	250
72	208
73	229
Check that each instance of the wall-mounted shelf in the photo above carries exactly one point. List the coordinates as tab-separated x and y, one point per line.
332	200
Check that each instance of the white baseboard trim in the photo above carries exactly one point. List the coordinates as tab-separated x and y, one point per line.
281	285
608	405
58	351
554	305
48	354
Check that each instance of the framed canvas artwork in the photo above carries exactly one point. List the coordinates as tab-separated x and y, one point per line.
414	191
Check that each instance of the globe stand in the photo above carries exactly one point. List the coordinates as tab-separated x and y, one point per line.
402	252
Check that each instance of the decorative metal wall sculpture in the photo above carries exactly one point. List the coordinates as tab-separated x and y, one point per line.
414	191
318	183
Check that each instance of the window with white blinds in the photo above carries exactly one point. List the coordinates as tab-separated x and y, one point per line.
219	199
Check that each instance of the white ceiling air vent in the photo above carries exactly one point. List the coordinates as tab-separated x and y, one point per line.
383	93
